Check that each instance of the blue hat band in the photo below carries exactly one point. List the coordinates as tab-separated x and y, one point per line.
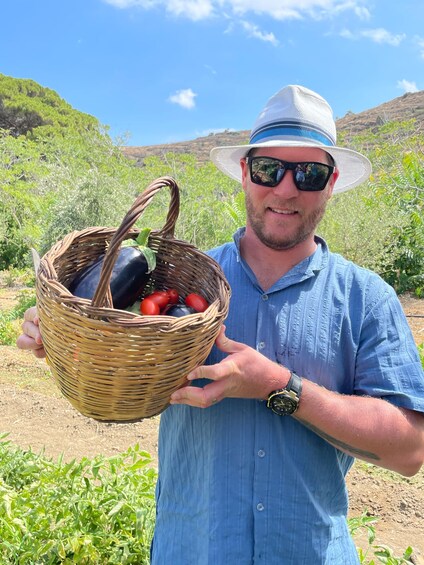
282	129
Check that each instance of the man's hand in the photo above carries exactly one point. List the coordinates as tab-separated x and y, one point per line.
31	339
244	373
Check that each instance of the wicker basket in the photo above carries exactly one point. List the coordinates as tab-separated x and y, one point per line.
113	365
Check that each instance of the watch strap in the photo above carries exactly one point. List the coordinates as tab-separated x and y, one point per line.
294	384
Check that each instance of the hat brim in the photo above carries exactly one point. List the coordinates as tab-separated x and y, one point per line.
354	168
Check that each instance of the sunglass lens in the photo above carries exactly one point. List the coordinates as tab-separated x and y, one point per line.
311	176
267	171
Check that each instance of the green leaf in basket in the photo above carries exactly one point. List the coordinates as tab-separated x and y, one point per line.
141	241
143	237
150	256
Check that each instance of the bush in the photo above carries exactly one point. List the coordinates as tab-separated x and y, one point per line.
10	322
382	553
92	511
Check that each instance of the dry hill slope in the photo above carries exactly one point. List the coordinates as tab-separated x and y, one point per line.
406	107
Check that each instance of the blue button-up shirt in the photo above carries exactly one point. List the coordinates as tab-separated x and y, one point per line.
239	484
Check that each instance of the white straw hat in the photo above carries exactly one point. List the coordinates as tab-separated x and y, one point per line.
296	117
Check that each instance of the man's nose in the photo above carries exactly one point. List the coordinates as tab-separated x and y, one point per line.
286	186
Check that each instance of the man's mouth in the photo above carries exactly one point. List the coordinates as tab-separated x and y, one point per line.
283	212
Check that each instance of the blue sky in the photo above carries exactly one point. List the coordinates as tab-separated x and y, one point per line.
161	71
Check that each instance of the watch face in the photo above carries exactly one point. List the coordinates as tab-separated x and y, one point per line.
283	405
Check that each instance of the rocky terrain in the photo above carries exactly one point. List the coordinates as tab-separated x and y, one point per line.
407	107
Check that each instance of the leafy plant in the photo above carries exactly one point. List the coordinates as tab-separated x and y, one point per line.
10	321
17	277
89	511
421	352
383	553
204	192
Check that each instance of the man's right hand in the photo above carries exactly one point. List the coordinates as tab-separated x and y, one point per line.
31	339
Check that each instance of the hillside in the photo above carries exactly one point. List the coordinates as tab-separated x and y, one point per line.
406	107
26	107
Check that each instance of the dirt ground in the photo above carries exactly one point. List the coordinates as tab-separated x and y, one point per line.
37	417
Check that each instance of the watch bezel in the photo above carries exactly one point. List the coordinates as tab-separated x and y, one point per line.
282	405
285	401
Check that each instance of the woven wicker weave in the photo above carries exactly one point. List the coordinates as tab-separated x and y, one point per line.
112	364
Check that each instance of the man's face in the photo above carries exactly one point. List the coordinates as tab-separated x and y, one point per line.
283	216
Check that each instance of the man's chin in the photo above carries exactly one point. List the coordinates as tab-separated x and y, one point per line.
281	244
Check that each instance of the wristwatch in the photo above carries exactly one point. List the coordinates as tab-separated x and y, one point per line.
285	401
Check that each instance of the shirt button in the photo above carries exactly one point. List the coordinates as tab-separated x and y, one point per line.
261	345
260	507
264	297
261	453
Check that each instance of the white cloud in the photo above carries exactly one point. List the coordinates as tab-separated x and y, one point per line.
276	9
362	12
407	86
380	35
191	9
420	42
184	98
347	34
254	31
211	69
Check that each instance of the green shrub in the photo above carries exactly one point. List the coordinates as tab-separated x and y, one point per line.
382	553
13	277
10	321
421	352
89	511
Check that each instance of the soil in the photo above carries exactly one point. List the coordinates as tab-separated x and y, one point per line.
38	418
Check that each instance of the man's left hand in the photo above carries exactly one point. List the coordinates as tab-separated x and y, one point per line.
244	373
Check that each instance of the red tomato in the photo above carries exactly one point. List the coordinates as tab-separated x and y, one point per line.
173	296
197	302
159	297
149	308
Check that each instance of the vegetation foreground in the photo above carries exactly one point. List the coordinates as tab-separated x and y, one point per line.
98	510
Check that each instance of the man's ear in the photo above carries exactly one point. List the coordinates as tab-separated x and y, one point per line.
244	172
333	181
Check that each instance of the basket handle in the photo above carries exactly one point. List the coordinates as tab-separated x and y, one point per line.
103	296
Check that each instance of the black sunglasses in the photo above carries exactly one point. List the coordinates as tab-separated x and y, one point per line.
307	176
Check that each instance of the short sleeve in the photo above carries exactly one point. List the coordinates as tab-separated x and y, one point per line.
388	365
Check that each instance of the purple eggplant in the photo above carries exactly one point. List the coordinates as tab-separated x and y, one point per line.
130	275
178	310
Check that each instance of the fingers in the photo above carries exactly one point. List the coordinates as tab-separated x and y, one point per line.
31	330
31	315
223	376
31	338
40	353
28	343
199	397
226	344
218	372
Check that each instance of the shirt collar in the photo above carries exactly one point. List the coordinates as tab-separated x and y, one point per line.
308	267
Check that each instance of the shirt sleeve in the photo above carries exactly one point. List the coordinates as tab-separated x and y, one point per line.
388	365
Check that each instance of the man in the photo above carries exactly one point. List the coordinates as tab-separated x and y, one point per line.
318	367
